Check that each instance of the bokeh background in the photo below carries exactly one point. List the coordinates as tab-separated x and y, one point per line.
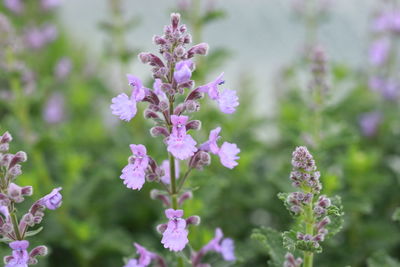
60	67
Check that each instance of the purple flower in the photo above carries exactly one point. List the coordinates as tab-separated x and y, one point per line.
228	155
145	256
20	256
15	6
53	200
388	88
379	51
175	236
369	123
183	71
37	38
290	261
227	99
166	179
134	173
50	4
180	144
63	68
125	107
54	110
225	247
133	263
157	88
227	152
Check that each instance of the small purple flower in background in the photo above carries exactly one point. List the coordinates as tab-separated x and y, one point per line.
183	71
15	6
63	68
134	173
369	123
50	4
166	179
125	107
227	152
180	144
225	247
53	200
54	109
227	99
388	88
37	38
175	235
379	51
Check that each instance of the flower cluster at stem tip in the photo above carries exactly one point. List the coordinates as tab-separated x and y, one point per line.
11	194
172	101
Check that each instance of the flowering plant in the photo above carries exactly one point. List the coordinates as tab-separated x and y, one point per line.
13	231
172	100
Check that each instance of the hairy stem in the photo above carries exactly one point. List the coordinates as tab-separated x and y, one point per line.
309	225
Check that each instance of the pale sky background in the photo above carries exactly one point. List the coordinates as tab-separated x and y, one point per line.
262	34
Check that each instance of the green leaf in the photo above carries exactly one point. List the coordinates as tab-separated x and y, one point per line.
272	241
335	213
289	240
34	232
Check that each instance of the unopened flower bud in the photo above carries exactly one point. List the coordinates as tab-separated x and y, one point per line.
175	19
37	251
5	159
28	219
161	228
156	194
6	138
185	196
159	40
179	51
15	193
192	106
15	171
195	220
167	88
179	109
296	209
163	105
151	177
199	49
7	228
193	125
149	114
187	39
324	202
18	158
158	130
4	200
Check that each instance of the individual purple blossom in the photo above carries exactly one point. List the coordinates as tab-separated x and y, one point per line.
166	179
15	6
20	256
63	68
125	107
227	152
183	71
175	235
134	173
54	109
388	88
157	89
37	38
227	100
180	144
53	200
290	261
132	263
379	51
369	123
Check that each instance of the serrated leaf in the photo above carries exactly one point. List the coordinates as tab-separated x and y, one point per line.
34	232
335	213
289	240
308	246
273	243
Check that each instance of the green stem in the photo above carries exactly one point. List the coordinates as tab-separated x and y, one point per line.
14	220
174	193
309	220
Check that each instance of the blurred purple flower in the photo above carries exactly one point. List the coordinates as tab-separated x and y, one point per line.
175	236
20	256
180	144
369	123
50	4
379	51
15	6
37	38
63	68
134	173
166	179
387	21
388	88
53	200
54	110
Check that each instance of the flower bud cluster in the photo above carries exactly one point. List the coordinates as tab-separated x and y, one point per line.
12	194
305	172
319	70
291	261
